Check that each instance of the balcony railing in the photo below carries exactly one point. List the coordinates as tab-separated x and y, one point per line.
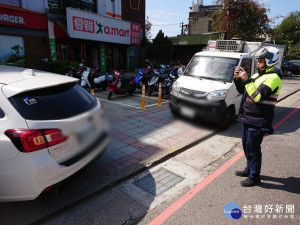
59	6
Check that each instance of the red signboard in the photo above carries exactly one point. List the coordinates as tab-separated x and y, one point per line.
23	19
83	24
135	38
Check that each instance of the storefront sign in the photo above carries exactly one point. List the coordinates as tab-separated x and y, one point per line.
102	58
23	19
52	49
90	26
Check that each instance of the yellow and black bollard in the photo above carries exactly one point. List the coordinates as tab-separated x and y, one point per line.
143	97
159	95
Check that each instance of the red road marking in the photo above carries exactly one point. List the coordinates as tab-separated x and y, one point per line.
191	193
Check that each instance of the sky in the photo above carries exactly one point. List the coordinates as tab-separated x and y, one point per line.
167	15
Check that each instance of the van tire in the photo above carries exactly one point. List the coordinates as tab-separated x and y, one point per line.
227	118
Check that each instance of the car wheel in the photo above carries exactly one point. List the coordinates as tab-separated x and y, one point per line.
289	73
227	118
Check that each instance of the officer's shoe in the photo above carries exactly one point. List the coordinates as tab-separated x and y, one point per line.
244	173
249	182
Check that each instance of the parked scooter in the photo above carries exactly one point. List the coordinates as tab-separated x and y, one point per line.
155	80
93	79
142	77
120	84
168	82
76	72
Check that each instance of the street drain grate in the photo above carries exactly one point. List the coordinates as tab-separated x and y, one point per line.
158	182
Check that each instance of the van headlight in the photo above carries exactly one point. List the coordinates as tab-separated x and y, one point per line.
176	87
217	95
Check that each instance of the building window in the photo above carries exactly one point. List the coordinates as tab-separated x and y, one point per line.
12	51
59	6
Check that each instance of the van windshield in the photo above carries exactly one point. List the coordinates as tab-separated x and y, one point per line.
210	67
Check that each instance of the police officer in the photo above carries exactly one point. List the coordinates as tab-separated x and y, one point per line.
260	93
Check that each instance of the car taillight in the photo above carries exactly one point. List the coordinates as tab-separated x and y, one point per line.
54	137
29	140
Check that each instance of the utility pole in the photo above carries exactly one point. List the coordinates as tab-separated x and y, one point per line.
181	28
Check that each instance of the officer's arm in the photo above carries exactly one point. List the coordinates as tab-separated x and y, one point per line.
263	91
240	87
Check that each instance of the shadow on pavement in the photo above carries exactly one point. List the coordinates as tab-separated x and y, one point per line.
81	189
289	184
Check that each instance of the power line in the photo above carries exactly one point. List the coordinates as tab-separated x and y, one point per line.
166	24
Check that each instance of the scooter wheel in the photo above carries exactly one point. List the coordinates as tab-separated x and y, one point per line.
109	95
150	90
132	90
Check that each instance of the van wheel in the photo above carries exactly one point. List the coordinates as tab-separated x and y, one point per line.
227	118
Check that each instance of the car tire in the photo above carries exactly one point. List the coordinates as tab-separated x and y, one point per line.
227	118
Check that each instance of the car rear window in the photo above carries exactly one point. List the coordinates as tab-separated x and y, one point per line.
53	103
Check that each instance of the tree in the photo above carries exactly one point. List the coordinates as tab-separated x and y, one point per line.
288	33
147	37
244	19
17	49
161	49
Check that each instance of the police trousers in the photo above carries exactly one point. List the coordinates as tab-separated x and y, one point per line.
252	138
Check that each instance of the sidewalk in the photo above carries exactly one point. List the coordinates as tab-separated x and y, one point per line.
275	201
138	140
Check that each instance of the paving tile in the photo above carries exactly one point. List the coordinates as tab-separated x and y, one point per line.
149	140
129	149
117	144
139	155
138	135
159	137
179	137
139	145
127	160
163	144
151	150
129	140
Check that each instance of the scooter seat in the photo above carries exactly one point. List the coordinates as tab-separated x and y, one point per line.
164	75
126	77
100	74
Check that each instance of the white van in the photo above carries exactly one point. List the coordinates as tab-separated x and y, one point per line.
206	90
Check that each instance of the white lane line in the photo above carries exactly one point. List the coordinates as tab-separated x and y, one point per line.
156	104
119	103
151	97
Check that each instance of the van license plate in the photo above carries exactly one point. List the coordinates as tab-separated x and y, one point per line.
188	112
